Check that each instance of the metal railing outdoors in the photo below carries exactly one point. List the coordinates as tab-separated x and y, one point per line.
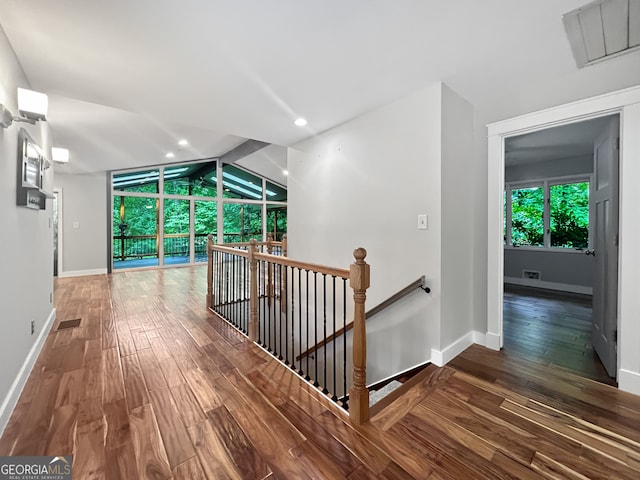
286	306
145	246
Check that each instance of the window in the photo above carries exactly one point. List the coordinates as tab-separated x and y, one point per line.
163	215
553	213
527	224
569	215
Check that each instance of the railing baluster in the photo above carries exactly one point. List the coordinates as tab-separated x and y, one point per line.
293	318
280	310
335	357
325	390
344	343
315	324
307	377
300	372
270	305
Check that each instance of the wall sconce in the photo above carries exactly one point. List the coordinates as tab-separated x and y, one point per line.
32	106
60	155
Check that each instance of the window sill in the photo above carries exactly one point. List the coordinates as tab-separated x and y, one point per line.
546	249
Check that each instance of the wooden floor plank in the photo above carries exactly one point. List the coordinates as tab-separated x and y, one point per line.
248	461
174	434
89	457
134	384
189	470
151	457
113	379
121	463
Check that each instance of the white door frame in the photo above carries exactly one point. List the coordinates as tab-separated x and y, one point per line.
58	190
627	104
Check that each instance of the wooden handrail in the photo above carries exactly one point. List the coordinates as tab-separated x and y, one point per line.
358	276
336	272
279	260
397	296
419	283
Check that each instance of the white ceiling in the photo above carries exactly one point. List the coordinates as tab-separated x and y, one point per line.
126	79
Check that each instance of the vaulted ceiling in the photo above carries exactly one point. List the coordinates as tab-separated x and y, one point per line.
128	78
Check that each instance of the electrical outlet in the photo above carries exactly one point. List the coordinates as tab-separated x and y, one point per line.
33	327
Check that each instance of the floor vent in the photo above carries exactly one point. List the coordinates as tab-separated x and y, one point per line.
531	274
69	324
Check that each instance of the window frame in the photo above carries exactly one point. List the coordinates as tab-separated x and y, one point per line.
545	183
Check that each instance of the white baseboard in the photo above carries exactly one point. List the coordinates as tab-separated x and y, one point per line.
492	341
629	381
10	401
563	287
479	338
83	273
444	356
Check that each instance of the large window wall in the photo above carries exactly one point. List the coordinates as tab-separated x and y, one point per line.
162	216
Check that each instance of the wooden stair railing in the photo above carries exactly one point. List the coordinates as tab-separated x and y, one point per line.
419	283
358	277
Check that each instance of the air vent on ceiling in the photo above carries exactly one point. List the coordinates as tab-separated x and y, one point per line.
602	29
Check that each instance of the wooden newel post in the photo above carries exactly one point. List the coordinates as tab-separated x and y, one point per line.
269	243
359	395
253	291
209	271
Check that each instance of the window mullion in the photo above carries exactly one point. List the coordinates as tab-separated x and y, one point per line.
546	215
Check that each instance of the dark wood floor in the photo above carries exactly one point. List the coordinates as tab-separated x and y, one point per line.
552	328
152	386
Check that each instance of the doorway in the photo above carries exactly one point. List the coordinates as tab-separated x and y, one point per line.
560	250
627	103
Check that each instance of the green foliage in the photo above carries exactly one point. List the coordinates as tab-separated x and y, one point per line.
569	207
206	217
527	225
242	222
568	215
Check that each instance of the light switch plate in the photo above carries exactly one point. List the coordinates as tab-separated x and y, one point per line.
423	222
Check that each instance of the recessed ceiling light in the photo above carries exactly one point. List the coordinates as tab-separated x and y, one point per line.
301	122
285	172
170	155
183	143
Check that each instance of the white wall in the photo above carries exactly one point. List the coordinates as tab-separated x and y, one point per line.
26	250
363	184
457	217
84	229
